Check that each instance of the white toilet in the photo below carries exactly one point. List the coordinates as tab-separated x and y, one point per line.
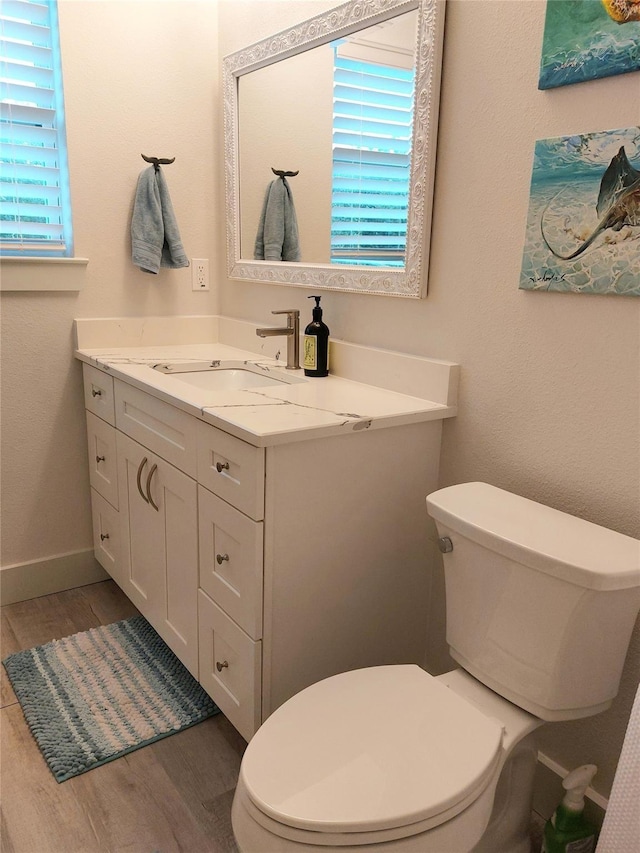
540	609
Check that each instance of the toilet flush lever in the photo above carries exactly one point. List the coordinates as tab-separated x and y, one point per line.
445	544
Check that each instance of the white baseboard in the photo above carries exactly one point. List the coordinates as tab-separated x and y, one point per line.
548	791
54	574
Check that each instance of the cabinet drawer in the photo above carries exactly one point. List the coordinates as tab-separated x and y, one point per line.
231	561
107	544
98	393
231	469
159	426
230	664
103	468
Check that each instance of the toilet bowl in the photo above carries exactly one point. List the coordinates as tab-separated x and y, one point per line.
391	759
386	758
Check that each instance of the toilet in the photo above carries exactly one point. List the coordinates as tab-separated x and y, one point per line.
390	759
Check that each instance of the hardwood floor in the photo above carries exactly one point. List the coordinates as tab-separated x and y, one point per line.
174	795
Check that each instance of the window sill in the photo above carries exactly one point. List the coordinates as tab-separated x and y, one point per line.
42	274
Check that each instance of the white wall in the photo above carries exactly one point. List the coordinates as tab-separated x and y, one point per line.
549	397
140	77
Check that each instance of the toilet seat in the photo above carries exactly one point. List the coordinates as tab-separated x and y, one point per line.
384	751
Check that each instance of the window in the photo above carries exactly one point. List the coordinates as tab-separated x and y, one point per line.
35	215
372	126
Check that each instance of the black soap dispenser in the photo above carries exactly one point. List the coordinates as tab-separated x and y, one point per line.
316	344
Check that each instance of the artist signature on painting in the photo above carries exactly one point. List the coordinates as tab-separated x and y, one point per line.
570	63
576	63
547	276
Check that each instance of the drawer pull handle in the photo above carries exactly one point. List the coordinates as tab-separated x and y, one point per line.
100	459
222	466
151	473
96	392
140	467
221	558
221	666
104	536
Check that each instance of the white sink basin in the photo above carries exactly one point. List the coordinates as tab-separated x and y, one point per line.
226	375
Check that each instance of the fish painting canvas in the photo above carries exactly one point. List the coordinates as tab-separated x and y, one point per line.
588	39
583	223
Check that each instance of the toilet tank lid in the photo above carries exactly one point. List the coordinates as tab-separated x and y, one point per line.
539	536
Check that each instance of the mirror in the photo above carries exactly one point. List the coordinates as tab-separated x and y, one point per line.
346	106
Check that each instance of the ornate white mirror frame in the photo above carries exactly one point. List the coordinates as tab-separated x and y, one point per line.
339	22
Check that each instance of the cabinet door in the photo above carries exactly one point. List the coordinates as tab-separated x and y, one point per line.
159	505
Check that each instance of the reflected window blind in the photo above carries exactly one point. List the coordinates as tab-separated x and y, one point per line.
35	210
372	126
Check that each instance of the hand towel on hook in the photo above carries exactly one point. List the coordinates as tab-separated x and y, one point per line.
155	239
277	237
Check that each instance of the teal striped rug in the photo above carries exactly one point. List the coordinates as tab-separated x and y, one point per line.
100	694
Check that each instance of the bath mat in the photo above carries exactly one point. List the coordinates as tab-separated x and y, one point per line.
102	693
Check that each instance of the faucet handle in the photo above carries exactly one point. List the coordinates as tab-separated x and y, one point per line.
293	317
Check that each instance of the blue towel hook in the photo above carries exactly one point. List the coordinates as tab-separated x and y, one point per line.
157	161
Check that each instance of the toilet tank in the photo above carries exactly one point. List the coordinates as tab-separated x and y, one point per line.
540	604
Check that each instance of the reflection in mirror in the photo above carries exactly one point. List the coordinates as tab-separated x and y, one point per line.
341	115
347	102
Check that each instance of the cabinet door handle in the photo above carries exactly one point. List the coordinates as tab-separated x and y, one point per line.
153	470
96	392
222	466
221	666
104	536
140	467
100	459
221	558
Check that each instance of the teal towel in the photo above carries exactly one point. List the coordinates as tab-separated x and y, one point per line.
155	239
277	238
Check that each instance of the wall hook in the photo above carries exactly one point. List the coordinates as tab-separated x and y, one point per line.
157	161
282	174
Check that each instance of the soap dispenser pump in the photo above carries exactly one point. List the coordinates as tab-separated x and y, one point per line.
316	344
568	831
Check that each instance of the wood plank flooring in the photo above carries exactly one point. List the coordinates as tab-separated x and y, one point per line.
173	796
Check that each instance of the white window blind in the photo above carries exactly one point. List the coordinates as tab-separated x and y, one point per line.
35	209
372	127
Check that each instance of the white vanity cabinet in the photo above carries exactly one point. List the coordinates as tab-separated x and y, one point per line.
265	569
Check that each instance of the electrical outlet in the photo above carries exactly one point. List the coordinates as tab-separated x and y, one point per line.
200	273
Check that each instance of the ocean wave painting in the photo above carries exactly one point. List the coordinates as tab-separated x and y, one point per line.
583	224
587	39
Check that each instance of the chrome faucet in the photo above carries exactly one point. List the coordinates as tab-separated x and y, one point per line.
291	332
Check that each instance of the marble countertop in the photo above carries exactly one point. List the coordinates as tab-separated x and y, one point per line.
310	408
